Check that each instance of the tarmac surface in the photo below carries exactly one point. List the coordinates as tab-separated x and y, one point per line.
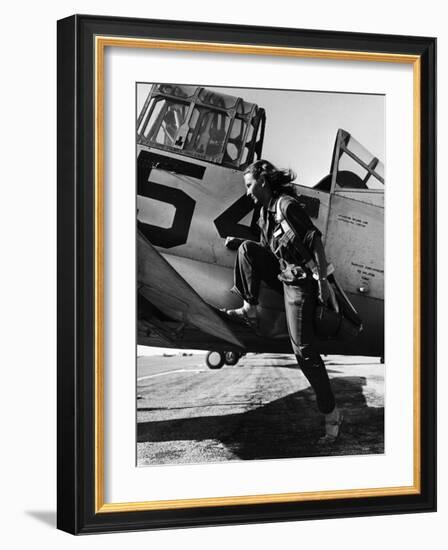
261	408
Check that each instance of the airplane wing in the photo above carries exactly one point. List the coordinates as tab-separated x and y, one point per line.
170	312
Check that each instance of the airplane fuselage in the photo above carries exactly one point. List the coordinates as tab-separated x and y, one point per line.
187	207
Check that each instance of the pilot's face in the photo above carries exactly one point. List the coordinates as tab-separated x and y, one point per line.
255	189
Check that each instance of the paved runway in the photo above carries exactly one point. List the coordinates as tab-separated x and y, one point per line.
261	408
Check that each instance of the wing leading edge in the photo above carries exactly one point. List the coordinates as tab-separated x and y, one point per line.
172	306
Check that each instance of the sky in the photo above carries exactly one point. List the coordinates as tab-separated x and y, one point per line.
301	126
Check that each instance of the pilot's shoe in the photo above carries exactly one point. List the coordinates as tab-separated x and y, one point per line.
333	423
247	316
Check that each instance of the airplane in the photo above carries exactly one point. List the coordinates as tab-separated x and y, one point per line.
193	144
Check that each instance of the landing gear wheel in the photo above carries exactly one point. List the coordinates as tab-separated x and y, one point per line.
231	357
214	359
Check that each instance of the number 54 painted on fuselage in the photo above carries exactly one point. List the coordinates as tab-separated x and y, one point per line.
193	145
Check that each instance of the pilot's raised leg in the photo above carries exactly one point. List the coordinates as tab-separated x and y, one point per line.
254	263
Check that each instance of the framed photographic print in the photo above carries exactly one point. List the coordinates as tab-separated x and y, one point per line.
246	271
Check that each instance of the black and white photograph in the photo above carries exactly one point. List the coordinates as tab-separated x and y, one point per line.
260	273
221	330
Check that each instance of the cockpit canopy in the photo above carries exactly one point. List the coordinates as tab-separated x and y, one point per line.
353	167
201	123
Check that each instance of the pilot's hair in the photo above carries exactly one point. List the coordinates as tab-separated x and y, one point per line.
280	181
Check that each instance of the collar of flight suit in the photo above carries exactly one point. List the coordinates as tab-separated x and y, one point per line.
272	205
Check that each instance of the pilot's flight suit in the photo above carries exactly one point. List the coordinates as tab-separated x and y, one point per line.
277	261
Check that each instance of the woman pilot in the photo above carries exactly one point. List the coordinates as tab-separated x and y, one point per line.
288	246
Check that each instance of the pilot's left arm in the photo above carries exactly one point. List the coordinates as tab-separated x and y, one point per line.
321	264
233	243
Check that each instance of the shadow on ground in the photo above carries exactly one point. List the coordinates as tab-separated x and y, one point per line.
285	428
293	366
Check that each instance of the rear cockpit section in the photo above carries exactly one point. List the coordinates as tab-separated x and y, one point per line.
202	123
353	168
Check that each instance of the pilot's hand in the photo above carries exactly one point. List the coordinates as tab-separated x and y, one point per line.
233	243
324	291
327	296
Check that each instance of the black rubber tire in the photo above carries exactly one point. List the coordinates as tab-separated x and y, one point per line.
231	358
214	359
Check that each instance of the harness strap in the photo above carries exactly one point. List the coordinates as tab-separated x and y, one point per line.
289	235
